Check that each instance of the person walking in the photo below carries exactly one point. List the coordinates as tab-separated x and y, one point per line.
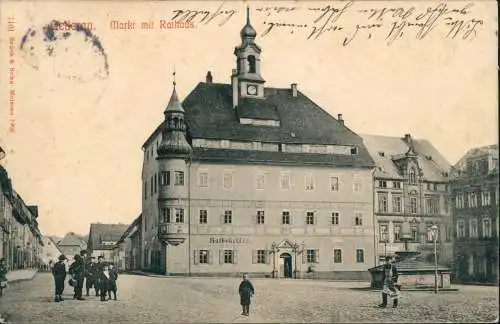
246	292
59	273
390	279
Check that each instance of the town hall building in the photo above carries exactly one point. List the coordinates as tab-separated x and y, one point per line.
242	177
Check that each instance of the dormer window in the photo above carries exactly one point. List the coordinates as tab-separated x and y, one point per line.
251	64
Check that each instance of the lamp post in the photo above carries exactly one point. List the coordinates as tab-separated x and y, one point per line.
434	232
274	250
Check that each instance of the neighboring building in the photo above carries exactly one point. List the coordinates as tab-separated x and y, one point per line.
50	251
21	239
127	252
412	193
103	238
71	245
246	178
475	215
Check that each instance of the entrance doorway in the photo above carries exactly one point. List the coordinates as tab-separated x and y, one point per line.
287	265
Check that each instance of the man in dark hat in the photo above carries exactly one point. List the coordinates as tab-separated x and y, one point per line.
77	271
59	273
390	279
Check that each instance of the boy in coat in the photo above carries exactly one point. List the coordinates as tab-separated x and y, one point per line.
390	279
113	277
59	273
104	281
246	292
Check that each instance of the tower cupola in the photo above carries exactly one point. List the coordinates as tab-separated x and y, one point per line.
174	140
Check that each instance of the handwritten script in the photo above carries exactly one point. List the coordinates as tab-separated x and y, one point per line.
351	21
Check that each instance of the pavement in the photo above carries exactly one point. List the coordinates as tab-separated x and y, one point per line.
21	275
149	299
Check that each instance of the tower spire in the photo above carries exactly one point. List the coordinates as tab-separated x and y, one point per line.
248	15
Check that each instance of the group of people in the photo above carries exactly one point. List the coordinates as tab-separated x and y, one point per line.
96	274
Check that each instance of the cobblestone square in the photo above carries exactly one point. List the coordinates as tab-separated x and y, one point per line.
144	299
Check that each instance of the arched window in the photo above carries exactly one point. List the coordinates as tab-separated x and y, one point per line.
176	122
251	64
413	176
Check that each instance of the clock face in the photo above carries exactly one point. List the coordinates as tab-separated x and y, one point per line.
252	90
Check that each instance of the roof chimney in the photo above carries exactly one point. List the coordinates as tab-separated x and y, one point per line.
339	118
209	77
234	86
294	89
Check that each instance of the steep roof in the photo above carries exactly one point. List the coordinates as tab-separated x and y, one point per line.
210	115
71	239
129	229
477	151
105	232
383	149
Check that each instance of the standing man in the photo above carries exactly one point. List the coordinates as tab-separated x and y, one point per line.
389	278
77	271
59	273
89	275
97	274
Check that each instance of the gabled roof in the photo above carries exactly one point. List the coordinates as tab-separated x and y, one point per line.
385	149
105	232
129	229
71	239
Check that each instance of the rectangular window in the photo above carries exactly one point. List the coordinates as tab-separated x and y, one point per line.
165	178
285	218
309	179
382	184
203	256
260	180
486	227
203	216
145	189
397	233
285	181
261	256
165	215
384	232
396	184
310	218
383	203
335	218
179	215
396	204
179	178
360	256
358	219
413	205
337	256
460	228
203	179
260	217
156	183
228	217
227	180
473	228
432	205
312	256
152	187
449	233
334	183
414	233
228	256
435	187
486	201
356	186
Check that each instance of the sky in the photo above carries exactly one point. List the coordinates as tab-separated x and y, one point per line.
83	108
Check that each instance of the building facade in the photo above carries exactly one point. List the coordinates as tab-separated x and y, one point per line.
475	215
246	178
70	245
128	249
21	244
412	193
103	238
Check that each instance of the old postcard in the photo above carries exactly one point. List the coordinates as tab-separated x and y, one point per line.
248	161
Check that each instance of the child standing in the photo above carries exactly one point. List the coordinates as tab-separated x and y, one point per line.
246	292
113	277
104	280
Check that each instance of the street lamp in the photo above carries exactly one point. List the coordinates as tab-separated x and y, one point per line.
434	232
274	250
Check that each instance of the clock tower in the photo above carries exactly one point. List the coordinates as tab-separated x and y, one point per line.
247	80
